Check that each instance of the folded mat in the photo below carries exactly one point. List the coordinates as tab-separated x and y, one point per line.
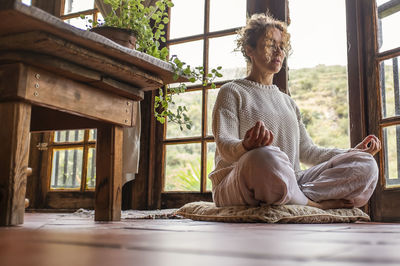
206	211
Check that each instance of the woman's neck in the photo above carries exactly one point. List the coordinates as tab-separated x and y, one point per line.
262	78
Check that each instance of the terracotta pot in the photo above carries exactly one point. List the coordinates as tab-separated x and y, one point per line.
123	37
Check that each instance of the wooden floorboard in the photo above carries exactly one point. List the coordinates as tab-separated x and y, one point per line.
70	239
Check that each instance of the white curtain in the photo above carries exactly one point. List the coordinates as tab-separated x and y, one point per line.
131	148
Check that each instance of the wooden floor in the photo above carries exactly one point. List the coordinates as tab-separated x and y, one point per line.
67	239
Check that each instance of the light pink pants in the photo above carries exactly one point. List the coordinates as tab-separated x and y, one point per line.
265	175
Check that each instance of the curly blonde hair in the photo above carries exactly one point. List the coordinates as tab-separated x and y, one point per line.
257	26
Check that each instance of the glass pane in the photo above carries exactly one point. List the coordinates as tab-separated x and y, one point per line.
69	136
100	18
221	20
321	94
330	29
222	54
389	83
192	100
380	2
189	52
92	135
388	32
210	162
184	23
66	172
182	167
73	6
391	142
318	83
212	96
91	169
80	23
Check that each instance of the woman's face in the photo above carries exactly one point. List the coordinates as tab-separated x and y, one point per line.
268	55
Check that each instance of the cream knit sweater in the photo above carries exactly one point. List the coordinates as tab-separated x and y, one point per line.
239	105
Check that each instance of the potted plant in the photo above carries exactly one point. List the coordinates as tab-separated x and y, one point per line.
147	23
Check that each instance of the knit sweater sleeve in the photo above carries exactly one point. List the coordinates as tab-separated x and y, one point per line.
310	153
225	124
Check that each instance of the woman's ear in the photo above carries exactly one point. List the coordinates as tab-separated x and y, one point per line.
249	51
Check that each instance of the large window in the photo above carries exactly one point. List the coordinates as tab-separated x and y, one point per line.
202	38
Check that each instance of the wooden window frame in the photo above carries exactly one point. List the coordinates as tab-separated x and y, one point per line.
85	144
365	97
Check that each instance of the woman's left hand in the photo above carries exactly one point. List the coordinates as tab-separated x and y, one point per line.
370	144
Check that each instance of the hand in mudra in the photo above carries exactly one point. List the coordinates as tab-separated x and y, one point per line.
370	144
257	136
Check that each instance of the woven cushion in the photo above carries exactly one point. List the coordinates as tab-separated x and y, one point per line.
206	211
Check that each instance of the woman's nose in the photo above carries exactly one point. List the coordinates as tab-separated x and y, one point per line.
278	51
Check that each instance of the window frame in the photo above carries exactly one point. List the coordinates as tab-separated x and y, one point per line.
85	144
365	97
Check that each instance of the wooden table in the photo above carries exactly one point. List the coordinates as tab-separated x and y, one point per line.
56	77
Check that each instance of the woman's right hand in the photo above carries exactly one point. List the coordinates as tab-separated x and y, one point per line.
257	136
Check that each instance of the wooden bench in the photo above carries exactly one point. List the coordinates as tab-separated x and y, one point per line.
54	76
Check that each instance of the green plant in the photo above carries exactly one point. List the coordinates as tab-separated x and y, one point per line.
164	100
188	178
148	24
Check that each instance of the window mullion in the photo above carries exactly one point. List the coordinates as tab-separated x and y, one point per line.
203	164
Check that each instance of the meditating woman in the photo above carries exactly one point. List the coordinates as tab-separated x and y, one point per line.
261	138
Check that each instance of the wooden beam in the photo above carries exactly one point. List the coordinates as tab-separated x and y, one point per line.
355	72
56	120
14	155
56	92
14	74
70	200
108	173
52	64
155	157
372	91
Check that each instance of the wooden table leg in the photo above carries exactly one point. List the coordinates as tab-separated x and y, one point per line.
108	173
14	154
